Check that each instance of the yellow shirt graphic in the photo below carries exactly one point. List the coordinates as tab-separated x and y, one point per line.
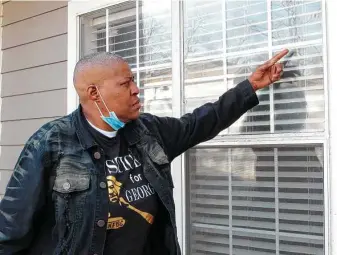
114	188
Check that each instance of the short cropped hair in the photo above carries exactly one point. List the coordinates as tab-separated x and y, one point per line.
96	59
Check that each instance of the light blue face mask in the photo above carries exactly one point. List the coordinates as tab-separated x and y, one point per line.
112	120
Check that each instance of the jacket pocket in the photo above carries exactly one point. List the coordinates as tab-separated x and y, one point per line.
160	159
69	183
155	152
70	192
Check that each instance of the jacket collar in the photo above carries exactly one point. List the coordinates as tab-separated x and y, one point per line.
133	131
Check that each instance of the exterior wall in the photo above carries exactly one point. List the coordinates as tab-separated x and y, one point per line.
34	74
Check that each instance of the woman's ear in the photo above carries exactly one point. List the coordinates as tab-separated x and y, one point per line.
93	93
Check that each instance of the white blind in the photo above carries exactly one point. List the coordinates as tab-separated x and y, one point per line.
254	198
226	40
143	39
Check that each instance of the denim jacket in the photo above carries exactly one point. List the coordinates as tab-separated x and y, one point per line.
56	201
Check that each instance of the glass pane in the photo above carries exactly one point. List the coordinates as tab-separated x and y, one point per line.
155	57
246	25
155	33
257	120
299	96
123	32
261	195
253	243
147	49
203	53
296	21
225	41
92	33
209	240
157	90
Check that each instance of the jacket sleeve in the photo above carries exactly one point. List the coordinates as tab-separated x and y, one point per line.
23	199
207	121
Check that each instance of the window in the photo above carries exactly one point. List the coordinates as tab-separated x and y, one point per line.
259	186
267	198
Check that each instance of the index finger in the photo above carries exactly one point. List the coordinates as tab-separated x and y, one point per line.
276	58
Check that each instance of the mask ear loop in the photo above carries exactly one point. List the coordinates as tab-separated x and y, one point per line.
102	101
99	109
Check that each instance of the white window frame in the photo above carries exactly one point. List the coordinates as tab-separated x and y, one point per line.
77	8
331	157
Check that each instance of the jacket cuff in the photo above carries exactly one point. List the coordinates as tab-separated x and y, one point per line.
248	93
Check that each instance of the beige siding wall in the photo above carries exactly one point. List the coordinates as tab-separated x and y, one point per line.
34	73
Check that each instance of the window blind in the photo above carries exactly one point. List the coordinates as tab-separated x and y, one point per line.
252	196
226	40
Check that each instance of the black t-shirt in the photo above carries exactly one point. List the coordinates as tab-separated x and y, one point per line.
133	202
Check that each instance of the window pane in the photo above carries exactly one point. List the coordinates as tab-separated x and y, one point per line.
155	59
157	90
147	49
253	243
246	25
256	121
209	240
92	33
296	21
155	33
256	197
299	97
123	32
225	41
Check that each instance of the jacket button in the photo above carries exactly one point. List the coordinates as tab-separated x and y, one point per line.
102	185
97	155
101	223
66	186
